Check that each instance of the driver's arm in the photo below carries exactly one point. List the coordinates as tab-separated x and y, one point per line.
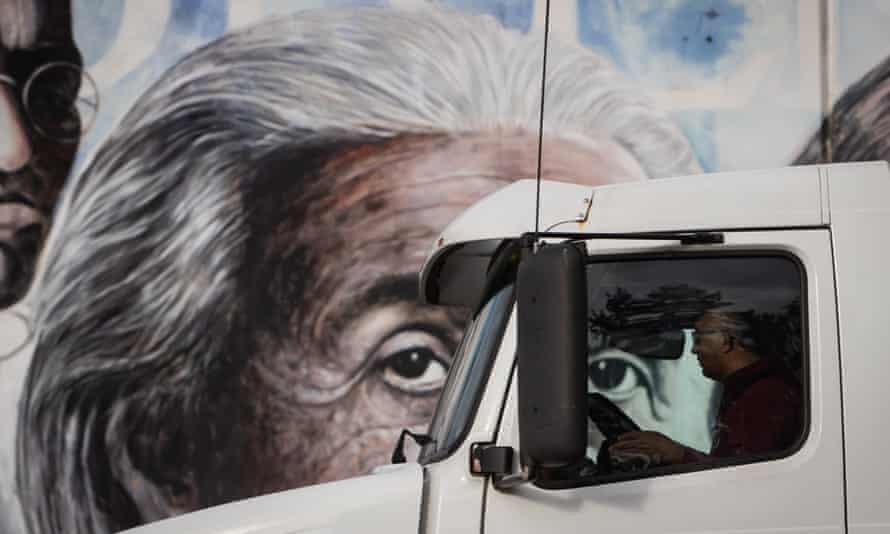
660	449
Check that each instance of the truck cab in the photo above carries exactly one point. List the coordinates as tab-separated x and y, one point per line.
585	321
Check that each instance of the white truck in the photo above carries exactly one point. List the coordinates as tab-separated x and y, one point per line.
584	331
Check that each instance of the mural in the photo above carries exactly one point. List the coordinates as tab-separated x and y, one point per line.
225	305
42	122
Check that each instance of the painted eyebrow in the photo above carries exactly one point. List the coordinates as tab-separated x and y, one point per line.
384	290
402	287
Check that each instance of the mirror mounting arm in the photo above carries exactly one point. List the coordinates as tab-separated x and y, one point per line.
514	480
487	459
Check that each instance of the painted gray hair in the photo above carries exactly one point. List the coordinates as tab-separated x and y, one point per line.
20	22
858	127
141	270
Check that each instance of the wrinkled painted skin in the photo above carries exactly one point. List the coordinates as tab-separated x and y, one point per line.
365	359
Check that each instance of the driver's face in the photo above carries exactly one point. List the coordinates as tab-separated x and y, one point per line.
363	358
708	347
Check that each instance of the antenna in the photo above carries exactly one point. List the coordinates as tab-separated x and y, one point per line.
541	124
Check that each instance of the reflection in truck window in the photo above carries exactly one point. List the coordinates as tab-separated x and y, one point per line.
703	353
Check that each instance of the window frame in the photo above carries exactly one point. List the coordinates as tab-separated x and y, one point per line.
499	327
805	372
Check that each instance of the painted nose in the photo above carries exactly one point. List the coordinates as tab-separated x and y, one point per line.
15	150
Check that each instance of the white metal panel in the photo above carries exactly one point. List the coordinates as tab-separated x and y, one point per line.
764	198
510	212
800	493
788	196
781	197
388	501
860	222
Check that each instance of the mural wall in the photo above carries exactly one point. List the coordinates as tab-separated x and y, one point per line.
226	304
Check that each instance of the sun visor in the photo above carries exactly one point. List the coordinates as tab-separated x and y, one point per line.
456	276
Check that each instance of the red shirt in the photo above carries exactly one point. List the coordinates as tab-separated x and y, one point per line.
761	411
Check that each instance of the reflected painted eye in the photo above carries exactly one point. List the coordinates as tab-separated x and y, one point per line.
414	362
616	375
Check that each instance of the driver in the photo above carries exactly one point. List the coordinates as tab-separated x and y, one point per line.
761	407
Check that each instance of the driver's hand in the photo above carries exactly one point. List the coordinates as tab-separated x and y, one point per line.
658	448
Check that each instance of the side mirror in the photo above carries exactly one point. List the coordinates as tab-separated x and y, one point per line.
552	346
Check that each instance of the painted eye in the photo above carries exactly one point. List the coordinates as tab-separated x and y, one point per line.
414	370
616	375
414	362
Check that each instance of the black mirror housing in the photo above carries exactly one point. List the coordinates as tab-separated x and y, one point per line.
552	350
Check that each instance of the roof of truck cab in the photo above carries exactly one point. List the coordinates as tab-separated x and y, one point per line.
801	196
782	197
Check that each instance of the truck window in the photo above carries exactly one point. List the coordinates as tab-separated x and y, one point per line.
468	376
704	354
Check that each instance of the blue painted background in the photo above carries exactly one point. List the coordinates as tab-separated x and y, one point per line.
725	70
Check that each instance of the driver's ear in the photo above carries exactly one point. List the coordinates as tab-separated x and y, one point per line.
728	343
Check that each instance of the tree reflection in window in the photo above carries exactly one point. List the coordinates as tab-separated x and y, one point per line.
650	326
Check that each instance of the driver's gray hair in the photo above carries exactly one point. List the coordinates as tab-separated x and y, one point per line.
738	325
141	299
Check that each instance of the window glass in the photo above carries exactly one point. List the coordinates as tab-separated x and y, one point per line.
703	354
468	376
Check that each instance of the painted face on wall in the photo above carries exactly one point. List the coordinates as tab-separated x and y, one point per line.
40	74
261	215
365	359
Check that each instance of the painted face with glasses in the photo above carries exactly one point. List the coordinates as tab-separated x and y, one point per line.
46	103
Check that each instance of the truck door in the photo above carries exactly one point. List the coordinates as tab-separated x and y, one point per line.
785	474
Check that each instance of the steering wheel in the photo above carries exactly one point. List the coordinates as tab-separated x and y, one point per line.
612	422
